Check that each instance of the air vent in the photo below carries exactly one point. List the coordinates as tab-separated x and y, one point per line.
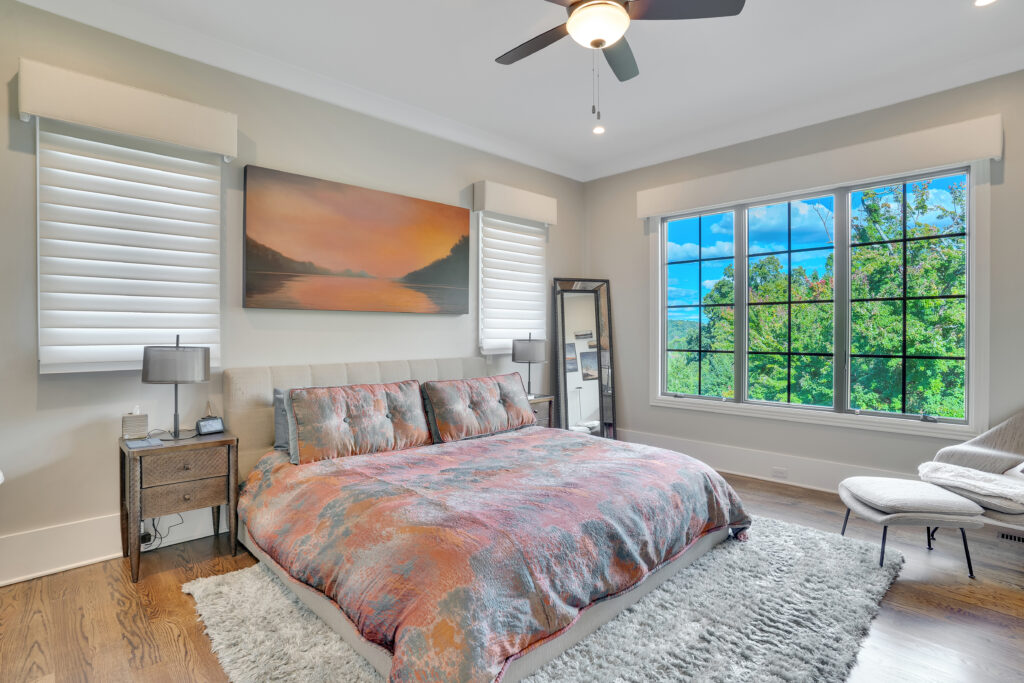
1017	538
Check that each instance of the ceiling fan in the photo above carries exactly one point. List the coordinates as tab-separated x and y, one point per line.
601	25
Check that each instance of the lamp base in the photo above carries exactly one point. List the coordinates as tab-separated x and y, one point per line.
165	435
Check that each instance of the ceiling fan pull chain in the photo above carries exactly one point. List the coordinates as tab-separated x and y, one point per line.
593	86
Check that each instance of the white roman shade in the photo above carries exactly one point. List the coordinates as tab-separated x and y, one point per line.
129	249
942	147
513	282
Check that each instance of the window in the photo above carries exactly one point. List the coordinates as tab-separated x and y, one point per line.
790	304
699	304
513	283
129	249
908	297
853	300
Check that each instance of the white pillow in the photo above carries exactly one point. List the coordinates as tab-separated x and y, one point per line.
1016	472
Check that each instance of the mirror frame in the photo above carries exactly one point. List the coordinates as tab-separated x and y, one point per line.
598	288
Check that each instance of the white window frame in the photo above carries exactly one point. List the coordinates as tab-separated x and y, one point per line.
541	292
978	298
194	313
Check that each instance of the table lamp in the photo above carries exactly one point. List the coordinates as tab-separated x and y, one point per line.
529	351
175	365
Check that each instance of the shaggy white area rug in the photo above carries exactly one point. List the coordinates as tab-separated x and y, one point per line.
791	604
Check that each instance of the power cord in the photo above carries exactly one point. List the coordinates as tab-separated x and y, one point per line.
158	536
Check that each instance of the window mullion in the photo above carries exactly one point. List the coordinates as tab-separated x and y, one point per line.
841	296
739	343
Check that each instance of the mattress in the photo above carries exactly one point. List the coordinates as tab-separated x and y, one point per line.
459	560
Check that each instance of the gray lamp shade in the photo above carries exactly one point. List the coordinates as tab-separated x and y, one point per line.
175	364
529	350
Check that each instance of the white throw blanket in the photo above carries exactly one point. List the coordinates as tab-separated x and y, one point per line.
970	479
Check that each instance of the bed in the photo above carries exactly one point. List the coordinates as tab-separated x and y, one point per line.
476	560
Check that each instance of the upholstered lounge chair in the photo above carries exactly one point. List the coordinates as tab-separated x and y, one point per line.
998	450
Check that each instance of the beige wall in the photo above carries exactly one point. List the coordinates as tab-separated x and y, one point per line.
618	249
59	432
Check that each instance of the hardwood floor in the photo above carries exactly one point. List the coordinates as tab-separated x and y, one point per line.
93	624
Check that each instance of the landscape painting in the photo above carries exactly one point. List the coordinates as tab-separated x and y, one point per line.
320	245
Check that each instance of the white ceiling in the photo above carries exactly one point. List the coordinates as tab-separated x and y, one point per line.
429	65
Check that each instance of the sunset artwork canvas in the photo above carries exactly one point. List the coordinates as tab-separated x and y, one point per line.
320	245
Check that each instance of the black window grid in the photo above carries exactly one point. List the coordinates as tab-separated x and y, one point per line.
789	353
700	261
903	356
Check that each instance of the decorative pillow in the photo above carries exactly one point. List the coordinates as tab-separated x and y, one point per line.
335	422
1016	472
280	421
466	408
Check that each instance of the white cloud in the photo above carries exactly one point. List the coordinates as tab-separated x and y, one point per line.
719	249
682	252
723	226
761	247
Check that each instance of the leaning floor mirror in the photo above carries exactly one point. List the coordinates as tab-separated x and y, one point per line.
585	396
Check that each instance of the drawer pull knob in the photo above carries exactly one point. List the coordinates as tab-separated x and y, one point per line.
188	467
188	496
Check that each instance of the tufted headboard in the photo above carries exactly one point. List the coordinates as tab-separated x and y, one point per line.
249	392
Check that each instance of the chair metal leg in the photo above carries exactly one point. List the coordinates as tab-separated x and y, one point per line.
845	520
928	535
881	557
935	530
967	552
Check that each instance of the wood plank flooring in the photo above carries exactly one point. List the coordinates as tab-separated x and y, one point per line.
936	625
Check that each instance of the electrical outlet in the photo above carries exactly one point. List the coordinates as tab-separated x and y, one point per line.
780	473
146	538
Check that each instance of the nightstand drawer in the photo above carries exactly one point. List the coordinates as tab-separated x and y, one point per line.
190	495
203	463
542	416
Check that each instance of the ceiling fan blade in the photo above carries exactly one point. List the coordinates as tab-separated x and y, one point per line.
621	60
684	9
533	45
564	3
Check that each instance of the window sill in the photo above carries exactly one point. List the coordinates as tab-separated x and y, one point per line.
908	427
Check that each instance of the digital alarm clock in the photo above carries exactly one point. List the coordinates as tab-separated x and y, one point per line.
209	425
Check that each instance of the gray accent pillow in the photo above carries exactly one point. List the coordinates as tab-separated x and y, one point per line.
280	421
293	428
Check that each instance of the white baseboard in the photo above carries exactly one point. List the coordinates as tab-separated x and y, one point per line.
38	552
811	473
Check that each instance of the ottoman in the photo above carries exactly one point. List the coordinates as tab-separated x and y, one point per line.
905	502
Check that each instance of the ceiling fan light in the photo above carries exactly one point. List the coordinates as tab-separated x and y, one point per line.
598	24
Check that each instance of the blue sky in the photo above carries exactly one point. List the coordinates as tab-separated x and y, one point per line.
813	225
715	232
683	284
683	314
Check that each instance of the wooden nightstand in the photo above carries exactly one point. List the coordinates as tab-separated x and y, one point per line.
543	408
176	477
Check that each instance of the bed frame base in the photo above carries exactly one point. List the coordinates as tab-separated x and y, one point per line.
589	621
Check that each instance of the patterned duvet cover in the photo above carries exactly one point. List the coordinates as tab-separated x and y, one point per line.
460	557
